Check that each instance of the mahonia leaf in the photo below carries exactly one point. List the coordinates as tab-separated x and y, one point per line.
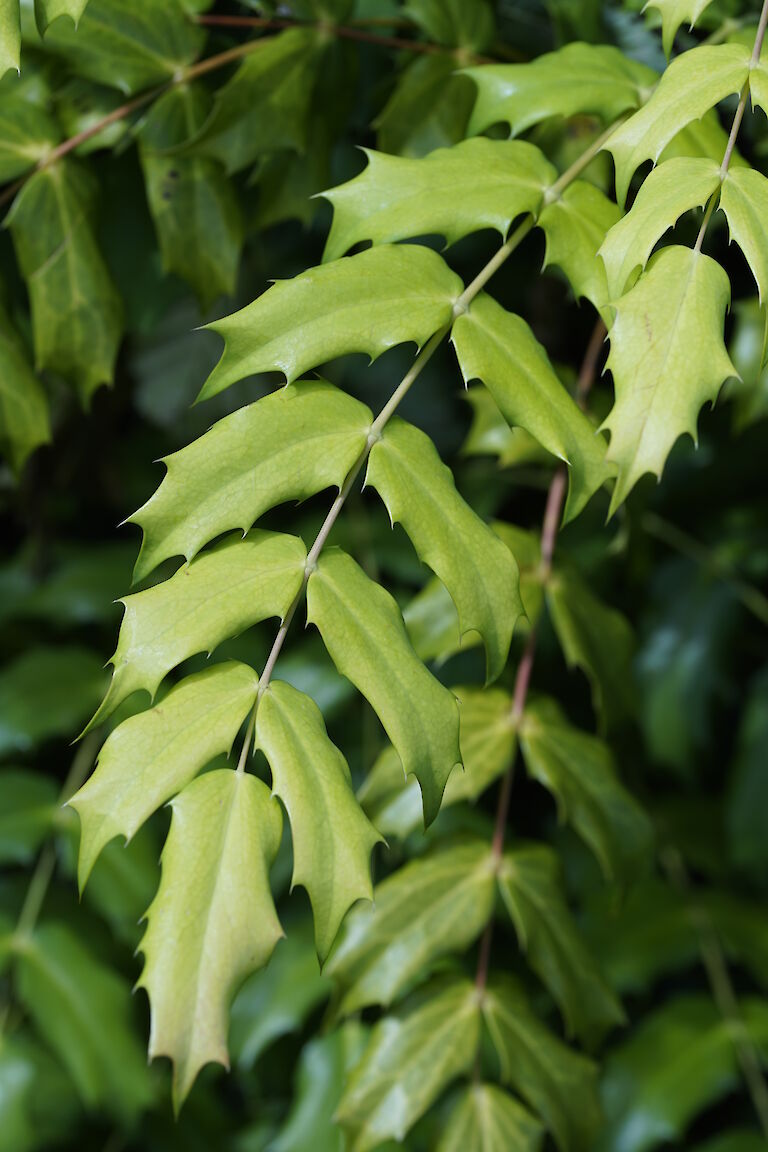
10	36
531	887
579	78
193	205
267	103
328	311
363	630
127	44
411	1057
679	1061
84	1011
332	838
287	446
25	421
152	756
212	921
560	1084
667	359
497	347
575	226
691	85
30	808
46	11
428	109
671	189
487	742
395	197
217	595
490	435
429	908
453	22
27	134
674	13
487	1119
76	311
597	639
478	570
744	200
578	770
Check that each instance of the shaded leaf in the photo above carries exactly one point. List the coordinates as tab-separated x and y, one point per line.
487	1119
25	421
46	694
27	134
428	109
37	1104
575	226
454	23
29	810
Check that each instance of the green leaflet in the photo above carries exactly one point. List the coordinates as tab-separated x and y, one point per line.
679	1061
499	348
692	84
84	1011
76	311
431	907
363	630
193	205
487	1119
429	108
395	197
410	1059
531	887
577	769
478	570
38	1103
744	200
287	446
152	756
10	36
575	226
389	295
45	694
597	639
667	359
267	103
212	921
490	435
27	134
487	744
30	806
454	23
46	11
127	44
25	421
674	13
579	78
217	595
332	838
558	1083
669	190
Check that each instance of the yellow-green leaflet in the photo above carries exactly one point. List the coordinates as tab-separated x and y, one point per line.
395	197
152	756
677	12
10	36
575	225
474	565
487	1119
363	630
744	200
189	613
667	359
287	446
497	347
332	838
366	303
212	921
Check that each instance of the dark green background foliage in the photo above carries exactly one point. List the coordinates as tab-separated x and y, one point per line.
175	215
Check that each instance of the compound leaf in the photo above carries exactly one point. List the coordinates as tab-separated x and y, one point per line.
667	359
25	421
531	887
497	347
478	570
332	838
395	197
674	187
235	584
575	226
692	84
579	78
559	1084
388	295
410	1059
363	630
744	201
435	905
487	1119
212	921
578	770
152	756
76	311
287	446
